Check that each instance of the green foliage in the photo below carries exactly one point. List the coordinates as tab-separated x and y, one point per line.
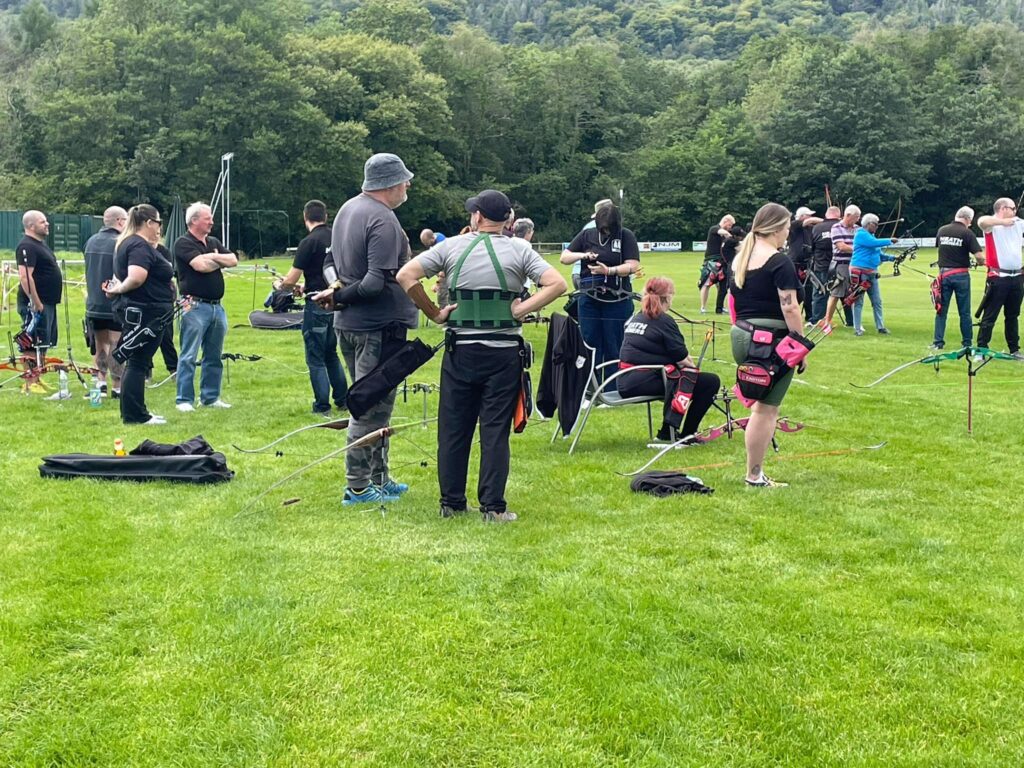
138	100
33	27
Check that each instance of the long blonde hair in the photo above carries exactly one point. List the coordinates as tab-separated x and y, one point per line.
769	219
137	216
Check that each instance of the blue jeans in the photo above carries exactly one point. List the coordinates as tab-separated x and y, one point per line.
45	334
325	373
204	325
875	295
603	325
959	286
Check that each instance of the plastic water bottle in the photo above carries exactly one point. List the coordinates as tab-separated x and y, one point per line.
119	448
95	396
63	392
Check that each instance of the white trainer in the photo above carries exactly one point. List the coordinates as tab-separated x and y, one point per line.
218	403
154	421
185	407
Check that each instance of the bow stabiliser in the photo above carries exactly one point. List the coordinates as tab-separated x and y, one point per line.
976	357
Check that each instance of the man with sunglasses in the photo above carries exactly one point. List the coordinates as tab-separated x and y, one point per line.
199	258
1004	288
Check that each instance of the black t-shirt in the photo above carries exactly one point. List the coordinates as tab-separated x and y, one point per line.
759	296
310	255
135	251
202	285
714	247
652	342
956	244
730	244
821	242
611	250
799	236
33	253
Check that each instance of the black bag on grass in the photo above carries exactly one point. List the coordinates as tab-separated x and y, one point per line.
182	469
193	461
663	484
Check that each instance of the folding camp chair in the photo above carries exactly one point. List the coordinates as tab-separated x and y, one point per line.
599	394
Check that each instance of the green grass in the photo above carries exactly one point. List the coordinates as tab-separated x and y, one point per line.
870	614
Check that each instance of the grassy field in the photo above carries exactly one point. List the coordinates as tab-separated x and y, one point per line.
870	614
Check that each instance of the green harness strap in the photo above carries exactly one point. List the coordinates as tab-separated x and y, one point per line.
487	308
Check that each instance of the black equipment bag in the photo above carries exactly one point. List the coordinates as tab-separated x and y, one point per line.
369	390
193	461
662	484
275	321
210	468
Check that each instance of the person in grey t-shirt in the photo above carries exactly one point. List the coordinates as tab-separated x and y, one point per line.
372	313
481	374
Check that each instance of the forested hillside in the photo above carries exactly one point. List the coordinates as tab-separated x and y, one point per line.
136	100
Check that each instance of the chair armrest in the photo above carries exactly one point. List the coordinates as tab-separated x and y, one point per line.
608	380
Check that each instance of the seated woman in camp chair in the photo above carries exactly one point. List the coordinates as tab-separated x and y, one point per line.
654	338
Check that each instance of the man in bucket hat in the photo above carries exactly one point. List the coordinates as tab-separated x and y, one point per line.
372	313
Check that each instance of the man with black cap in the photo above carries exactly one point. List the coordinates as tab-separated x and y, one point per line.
481	374
372	313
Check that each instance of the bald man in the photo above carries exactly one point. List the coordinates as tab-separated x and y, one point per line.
99	314
40	281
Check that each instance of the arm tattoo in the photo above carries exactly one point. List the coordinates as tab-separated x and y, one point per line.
787	299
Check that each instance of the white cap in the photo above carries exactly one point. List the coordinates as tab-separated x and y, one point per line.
803	210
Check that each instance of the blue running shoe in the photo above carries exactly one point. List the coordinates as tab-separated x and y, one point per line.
368	495
395	488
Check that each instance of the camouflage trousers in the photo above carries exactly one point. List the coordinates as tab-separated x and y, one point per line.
368	464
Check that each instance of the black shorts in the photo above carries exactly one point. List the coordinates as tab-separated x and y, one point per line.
104	324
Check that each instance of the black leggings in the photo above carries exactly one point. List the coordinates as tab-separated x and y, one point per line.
646	383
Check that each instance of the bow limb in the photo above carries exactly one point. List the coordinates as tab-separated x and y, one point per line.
653	459
338	424
367	439
785	425
930	359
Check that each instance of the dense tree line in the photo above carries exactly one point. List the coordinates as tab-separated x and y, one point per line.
137	100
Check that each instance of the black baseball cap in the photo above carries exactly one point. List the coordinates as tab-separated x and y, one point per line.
494	205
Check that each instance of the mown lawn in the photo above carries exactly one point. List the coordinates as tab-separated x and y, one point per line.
870	614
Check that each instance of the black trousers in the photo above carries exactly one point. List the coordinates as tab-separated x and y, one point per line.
723	288
140	360
649	383
478	384
1002	293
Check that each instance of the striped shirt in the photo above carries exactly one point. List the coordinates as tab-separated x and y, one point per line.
842	234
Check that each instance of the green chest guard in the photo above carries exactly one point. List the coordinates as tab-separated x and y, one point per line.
485	308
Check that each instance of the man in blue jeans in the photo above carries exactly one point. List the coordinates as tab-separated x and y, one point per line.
199	259
958	249
325	373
